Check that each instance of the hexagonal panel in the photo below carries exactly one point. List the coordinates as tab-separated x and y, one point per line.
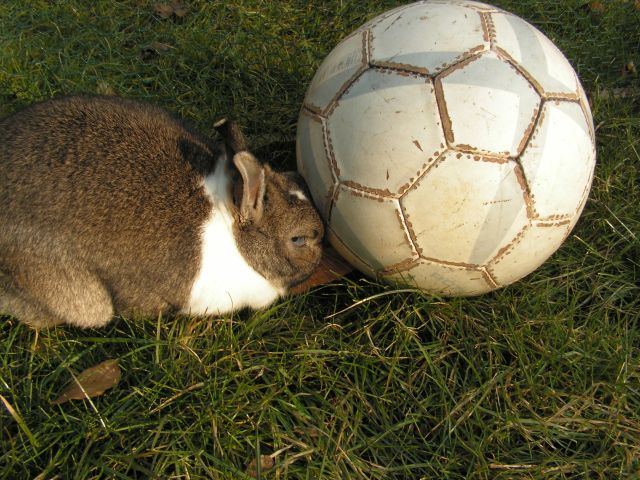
443	279
559	160
535	53
527	252
344	62
400	137
464	210
312	160
488	106
388	13
371	227
337	243
427	37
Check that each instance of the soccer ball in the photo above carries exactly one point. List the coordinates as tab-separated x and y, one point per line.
449	145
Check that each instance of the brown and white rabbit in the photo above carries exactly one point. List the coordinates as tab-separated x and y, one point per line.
114	206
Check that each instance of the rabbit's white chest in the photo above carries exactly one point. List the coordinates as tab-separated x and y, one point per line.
225	281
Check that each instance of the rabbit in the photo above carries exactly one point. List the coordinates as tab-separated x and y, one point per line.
110	206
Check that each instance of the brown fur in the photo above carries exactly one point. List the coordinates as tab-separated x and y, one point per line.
101	209
283	261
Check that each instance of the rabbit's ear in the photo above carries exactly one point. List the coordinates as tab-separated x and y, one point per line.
231	134
253	188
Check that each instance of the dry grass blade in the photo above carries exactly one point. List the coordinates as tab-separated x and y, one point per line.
332	267
20	421
92	382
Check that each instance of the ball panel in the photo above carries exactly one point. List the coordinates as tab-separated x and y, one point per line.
401	136
479	6
536	54
464	209
559	160
443	279
528	252
419	38
490	106
586	109
312	160
344	63
348	255
372	228
389	13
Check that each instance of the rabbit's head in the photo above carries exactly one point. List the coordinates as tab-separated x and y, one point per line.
277	228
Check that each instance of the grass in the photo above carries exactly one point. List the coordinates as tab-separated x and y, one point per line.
540	380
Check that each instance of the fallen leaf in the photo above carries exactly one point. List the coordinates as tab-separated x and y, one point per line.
621	92
92	382
630	68
637	4
165	10
597	6
332	267
266	462
179	10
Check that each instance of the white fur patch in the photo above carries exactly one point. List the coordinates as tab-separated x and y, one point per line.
225	281
299	195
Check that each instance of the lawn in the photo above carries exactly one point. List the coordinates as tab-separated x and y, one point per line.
537	380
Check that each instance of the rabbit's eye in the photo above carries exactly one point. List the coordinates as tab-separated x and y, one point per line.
299	241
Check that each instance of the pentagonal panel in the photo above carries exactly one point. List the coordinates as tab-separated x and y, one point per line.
546	65
488	105
443	279
313	162
344	62
464	210
371	227
559	160
527	252
385	130
427	37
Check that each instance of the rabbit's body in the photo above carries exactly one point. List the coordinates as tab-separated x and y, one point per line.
113	206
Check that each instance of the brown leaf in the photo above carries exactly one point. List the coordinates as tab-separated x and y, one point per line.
165	10
630	68
597	6
637	4
179	10
92	382
621	92
266	463
332	267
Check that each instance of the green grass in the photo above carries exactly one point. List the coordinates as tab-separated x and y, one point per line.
538	380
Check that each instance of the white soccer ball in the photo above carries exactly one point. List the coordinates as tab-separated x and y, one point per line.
449	145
